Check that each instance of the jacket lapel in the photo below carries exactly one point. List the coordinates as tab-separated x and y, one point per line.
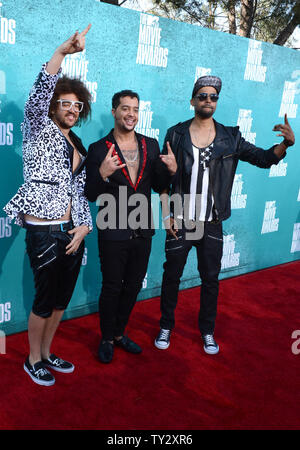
186	142
124	173
220	143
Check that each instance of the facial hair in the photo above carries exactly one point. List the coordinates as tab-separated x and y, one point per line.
204	113
62	124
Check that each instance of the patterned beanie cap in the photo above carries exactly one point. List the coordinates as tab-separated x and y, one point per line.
207	80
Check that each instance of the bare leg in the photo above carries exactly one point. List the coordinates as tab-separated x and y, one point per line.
36	328
52	323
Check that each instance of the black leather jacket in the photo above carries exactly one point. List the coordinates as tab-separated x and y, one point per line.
229	147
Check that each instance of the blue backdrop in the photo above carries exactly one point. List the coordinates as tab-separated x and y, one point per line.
160	59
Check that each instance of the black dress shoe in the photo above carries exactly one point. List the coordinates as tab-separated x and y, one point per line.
106	351
128	345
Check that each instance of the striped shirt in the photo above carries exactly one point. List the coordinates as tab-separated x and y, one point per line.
200	185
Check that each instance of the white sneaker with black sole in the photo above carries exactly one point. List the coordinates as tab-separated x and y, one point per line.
210	345
38	373
163	339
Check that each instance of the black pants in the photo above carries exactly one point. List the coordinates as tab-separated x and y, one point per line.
209	254
123	266
55	273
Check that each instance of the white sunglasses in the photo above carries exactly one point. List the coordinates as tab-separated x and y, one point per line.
66	105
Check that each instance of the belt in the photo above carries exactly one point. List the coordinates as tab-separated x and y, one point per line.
66	226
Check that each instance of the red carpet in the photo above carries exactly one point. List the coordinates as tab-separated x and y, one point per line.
253	383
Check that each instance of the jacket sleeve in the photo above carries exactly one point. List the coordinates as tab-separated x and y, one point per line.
37	105
255	155
94	185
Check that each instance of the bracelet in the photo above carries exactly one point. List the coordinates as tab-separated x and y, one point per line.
167	217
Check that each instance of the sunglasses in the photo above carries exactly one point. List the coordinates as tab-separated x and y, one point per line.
66	105
203	96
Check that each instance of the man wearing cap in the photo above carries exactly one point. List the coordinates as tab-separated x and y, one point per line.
207	154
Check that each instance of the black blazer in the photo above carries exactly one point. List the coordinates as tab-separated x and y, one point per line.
119	205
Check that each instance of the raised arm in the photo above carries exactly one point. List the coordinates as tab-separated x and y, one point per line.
75	44
37	105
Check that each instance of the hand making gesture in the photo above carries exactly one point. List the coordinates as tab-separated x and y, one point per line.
169	160
286	132
110	164
75	44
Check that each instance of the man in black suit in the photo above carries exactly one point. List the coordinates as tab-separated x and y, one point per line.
122	168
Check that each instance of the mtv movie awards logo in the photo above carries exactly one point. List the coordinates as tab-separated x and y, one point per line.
76	66
270	222
229	258
6	133
6	128
245	123
144	125
238	200
201	72
5	227
287	106
2	84
5	312
296	238
149	51
255	71
7	28
278	170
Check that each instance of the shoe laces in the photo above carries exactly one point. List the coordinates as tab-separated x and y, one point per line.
57	361
41	372
209	339
164	334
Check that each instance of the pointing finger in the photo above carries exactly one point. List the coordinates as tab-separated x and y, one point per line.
285	119
110	151
169	148
84	32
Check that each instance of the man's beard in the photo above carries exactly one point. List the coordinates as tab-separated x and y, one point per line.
65	126
204	113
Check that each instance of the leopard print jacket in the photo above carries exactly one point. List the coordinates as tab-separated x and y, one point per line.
49	184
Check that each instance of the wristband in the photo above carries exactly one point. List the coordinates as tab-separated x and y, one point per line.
167	217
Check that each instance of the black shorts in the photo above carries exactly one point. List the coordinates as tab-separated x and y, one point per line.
55	273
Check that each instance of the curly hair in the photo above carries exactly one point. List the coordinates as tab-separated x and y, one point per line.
66	85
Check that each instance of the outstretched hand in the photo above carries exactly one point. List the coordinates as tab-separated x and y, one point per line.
286	132
75	43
